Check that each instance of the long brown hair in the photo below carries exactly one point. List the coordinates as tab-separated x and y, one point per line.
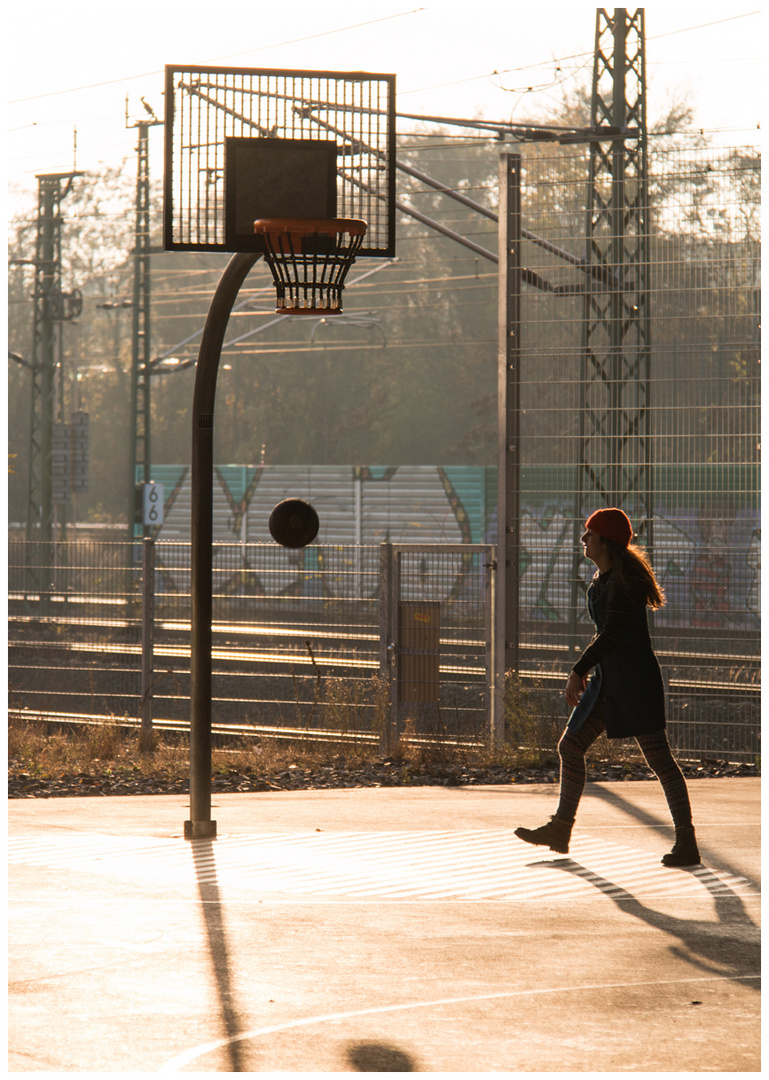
632	573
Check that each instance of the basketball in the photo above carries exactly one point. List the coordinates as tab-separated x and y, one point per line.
294	523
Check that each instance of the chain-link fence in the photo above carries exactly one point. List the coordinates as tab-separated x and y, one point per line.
341	640
663	421
304	641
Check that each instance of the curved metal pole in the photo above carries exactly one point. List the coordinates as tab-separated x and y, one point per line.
200	824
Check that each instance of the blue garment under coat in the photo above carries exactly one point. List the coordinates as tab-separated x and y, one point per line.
628	677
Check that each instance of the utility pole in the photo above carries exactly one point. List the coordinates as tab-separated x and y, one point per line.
51	308
139	454
615	465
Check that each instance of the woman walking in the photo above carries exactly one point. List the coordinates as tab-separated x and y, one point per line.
624	696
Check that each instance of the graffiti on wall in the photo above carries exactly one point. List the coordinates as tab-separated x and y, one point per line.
710	570
708	559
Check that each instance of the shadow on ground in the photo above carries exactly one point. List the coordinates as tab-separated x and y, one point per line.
727	947
203	854
379	1057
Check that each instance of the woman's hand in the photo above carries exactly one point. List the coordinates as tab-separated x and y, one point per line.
575	687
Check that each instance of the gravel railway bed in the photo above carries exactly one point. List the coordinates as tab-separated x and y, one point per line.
336	773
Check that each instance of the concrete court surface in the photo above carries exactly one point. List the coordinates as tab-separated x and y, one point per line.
390	929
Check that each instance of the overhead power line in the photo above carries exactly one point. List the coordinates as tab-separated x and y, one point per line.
356	26
216	59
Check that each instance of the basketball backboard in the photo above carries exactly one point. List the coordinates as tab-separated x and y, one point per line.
242	144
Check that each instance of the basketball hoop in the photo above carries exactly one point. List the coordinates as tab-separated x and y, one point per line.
309	259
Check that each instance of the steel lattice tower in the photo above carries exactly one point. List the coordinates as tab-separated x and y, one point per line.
46	295
52	307
615	467
139	451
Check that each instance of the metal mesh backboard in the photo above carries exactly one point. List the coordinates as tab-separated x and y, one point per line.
241	144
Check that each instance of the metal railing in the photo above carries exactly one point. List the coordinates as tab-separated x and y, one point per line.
359	641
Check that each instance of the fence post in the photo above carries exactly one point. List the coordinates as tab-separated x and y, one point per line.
386	642
495	688
148	639
507	616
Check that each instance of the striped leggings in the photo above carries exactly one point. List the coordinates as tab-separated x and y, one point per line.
655	749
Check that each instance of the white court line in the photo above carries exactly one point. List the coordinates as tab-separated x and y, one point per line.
186	1058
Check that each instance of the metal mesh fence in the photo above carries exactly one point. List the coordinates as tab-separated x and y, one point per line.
438	626
74	645
297	636
666	424
326	640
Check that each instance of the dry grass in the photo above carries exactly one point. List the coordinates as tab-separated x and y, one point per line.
530	717
111	749
115	751
535	720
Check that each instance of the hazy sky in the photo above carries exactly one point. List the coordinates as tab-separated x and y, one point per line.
71	65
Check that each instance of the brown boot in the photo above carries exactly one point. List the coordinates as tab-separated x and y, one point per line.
555	835
685	851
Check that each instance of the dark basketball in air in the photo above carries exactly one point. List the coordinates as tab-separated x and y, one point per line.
294	523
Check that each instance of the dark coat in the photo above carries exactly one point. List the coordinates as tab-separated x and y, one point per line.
628	677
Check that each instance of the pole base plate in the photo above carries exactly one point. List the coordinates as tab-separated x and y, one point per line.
200	830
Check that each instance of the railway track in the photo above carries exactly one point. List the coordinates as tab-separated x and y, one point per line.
267	678
339	642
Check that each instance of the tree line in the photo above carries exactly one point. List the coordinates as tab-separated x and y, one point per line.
409	374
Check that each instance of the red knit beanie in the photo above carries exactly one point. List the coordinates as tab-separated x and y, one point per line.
613	524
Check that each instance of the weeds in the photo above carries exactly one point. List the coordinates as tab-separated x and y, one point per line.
532	733
113	748
533	717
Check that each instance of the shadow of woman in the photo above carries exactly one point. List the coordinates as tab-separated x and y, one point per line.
729	947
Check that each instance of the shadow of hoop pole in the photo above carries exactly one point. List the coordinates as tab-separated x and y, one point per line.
200	825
